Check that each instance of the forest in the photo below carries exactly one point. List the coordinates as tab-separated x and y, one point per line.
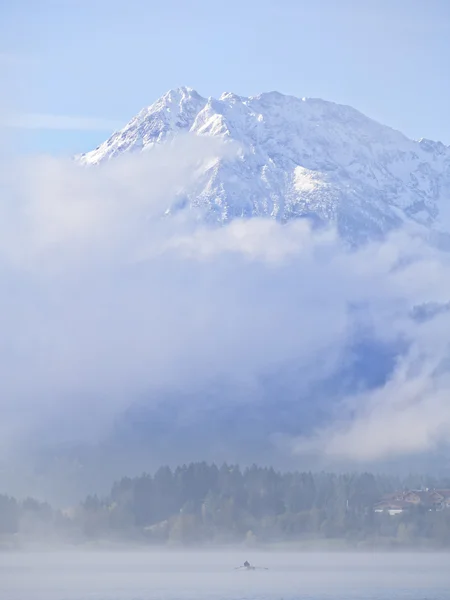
205	504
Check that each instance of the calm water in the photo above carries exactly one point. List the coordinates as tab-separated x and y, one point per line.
210	576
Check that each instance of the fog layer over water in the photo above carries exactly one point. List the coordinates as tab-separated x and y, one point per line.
191	575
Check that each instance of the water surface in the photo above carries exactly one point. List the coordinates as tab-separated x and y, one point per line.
143	575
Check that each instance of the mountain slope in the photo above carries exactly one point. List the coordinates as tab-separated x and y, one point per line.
299	157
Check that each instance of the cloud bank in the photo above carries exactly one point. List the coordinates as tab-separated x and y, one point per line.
105	297
61	122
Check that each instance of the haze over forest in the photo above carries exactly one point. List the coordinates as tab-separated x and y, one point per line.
204	505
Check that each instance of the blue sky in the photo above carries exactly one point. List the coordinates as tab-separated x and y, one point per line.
75	69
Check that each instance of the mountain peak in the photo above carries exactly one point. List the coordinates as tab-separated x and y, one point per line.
230	96
431	146
182	92
301	157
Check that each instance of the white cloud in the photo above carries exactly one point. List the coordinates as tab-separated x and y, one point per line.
10	59
407	416
61	122
256	239
106	298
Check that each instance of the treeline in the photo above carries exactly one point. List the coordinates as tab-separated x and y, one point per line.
201	503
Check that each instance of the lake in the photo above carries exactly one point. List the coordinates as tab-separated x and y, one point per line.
166	575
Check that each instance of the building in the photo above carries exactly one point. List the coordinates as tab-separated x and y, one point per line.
400	501
391	507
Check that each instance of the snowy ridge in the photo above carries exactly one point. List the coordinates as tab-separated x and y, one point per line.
300	157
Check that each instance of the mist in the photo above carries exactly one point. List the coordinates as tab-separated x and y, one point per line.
200	575
109	296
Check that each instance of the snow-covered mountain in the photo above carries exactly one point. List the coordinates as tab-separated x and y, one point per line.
299	157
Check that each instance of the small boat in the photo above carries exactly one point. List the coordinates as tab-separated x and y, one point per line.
248	567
